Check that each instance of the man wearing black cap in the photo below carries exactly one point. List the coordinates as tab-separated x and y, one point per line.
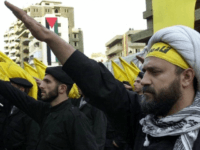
20	131
62	125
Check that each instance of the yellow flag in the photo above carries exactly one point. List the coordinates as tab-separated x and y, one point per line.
167	13
41	68
131	72
5	57
30	70
119	73
132	64
12	70
3	75
74	92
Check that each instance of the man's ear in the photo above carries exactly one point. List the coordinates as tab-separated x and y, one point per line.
62	88
187	77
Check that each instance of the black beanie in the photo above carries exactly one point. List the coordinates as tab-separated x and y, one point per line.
59	75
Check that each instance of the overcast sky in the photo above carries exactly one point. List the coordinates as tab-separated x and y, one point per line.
100	20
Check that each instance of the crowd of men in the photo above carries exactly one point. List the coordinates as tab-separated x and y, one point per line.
162	113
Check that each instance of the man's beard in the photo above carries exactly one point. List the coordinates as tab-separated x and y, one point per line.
161	103
51	95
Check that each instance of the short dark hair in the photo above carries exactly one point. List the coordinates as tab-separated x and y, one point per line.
179	70
69	86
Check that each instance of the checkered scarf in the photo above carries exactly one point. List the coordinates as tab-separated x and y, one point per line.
185	123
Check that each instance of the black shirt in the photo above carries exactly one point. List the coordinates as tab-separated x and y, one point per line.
109	95
62	126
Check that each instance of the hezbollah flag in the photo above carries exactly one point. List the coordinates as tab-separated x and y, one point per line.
5	57
131	72
12	70
132	64
51	24
40	67
119	73
30	70
73	93
167	13
3	75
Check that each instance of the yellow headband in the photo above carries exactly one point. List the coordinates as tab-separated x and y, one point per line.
166	52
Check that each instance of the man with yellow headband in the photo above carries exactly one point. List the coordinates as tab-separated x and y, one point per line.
169	116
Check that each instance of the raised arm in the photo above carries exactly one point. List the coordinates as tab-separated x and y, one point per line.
60	48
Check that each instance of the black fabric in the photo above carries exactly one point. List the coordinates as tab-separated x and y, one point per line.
59	75
5	108
20	132
109	95
63	127
20	81
97	121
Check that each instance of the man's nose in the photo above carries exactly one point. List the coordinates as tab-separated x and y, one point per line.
146	80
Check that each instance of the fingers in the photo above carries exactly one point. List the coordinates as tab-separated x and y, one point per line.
19	13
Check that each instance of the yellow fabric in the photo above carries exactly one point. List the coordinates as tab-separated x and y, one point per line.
41	68
131	72
132	64
74	92
5	57
119	73
167	13
12	70
164	51
30	70
3	75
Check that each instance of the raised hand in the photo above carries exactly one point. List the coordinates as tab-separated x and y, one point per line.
37	30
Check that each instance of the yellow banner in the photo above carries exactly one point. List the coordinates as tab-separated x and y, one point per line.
30	70
73	93
12	70
131	72
41	68
167	13
119	73
132	64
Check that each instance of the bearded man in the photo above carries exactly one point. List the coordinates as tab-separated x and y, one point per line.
171	106
62	125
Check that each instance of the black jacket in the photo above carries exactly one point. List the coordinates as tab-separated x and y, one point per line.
5	108
20	132
63	127
97	121
109	95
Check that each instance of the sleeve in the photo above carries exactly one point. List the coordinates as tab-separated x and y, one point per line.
33	108
32	132
99	128
102	89
80	132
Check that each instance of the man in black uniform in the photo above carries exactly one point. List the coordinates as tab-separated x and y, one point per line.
62	125
96	118
20	131
170	119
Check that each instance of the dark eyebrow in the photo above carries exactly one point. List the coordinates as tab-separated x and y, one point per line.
151	69
46	80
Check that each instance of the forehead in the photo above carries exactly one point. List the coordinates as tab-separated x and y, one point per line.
157	63
49	77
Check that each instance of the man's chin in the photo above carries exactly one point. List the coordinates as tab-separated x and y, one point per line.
148	97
